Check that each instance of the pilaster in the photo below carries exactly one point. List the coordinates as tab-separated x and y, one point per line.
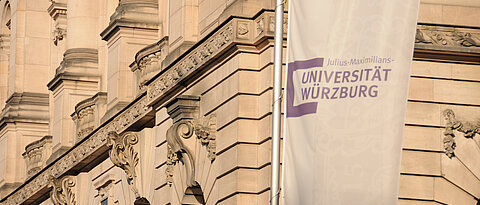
133	26
77	76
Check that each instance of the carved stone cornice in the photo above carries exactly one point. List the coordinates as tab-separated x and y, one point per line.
468	128
57	8
141	14
123	155
63	190
184	135
191	62
447	43
447	36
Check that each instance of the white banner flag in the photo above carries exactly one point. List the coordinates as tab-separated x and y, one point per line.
347	83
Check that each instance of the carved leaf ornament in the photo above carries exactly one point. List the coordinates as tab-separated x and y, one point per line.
62	193
452	124
123	155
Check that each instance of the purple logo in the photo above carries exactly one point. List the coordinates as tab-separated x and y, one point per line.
305	108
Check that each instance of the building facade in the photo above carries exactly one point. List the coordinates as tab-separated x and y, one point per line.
169	102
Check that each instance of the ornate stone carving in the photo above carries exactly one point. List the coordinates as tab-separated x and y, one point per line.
62	192
180	141
179	151
123	155
80	152
58	35
191	62
447	36
36	154
260	26
452	124
205	130
148	62
87	114
243	30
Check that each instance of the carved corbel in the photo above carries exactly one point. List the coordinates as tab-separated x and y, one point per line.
186	132
452	124
123	155
62	190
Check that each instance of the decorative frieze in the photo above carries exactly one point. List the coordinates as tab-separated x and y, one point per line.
63	190
36	155
452	124
191	62
447	36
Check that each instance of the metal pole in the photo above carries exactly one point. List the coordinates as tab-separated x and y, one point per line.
277	102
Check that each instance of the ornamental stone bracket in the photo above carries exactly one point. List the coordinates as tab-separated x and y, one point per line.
452	124
185	134
123	155
58	12
63	190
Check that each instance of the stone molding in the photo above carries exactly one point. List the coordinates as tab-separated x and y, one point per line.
447	36
78	64
181	145
141	14
123	155
63	190
27	107
254	32
36	155
469	129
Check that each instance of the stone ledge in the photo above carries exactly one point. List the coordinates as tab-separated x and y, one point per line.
26	107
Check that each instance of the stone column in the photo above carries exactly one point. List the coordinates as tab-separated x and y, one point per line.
24	65
77	77
133	26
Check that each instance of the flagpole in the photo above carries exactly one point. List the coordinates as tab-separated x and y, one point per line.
277	102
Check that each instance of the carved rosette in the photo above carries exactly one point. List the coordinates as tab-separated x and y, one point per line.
62	192
123	155
452	124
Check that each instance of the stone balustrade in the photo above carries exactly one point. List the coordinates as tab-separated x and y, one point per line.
36	155
148	62
88	113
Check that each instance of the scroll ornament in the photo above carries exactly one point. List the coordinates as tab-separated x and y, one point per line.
178	151
123	155
62	193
